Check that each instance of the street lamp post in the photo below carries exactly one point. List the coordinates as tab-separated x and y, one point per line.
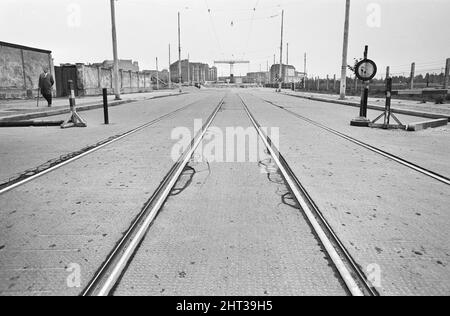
345	51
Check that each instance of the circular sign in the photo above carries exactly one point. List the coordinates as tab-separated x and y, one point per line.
366	70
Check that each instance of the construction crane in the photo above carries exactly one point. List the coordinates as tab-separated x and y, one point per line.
231	63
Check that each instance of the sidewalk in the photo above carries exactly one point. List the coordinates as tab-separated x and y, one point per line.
414	108
27	109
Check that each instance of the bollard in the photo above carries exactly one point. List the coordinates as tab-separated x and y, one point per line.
75	120
105	106
71	95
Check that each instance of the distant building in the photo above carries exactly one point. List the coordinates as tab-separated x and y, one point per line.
289	74
163	75
257	77
193	72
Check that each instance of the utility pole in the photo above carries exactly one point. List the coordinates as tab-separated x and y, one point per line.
345	51
305	74
413	74
189	69
169	82
304	66
116	57
287	54
281	53
179	51
157	74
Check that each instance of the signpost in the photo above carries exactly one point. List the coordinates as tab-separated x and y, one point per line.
365	70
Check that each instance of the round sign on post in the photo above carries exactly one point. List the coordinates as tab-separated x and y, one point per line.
366	70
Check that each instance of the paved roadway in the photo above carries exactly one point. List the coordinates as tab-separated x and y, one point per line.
226	230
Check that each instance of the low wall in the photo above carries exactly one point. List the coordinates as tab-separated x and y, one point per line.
92	80
20	68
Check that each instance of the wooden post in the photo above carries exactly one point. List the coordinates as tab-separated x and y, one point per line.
328	82
447	74
388	72
413	74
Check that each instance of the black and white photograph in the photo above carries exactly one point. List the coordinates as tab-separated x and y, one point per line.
224	155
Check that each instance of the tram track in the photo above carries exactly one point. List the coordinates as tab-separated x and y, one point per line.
434	175
109	275
55	164
355	280
111	271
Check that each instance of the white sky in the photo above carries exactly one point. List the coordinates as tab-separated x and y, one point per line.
80	31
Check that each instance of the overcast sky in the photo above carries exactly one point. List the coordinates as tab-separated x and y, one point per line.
397	31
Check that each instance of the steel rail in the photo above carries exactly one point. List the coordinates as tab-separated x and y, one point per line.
116	138
311	211
109	274
408	164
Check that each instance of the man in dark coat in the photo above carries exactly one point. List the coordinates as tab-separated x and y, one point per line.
46	83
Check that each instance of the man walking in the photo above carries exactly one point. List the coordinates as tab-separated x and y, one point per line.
46	83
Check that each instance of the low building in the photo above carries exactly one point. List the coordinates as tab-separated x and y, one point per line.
192	72
20	67
124	64
92	79
289	74
257	78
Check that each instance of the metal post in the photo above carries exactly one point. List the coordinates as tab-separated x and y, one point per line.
413	74
447	74
362	120
345	51
116	57
105	106
281	53
179	51
365	98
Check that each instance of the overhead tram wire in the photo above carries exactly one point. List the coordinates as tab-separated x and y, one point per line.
213	26
251	25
